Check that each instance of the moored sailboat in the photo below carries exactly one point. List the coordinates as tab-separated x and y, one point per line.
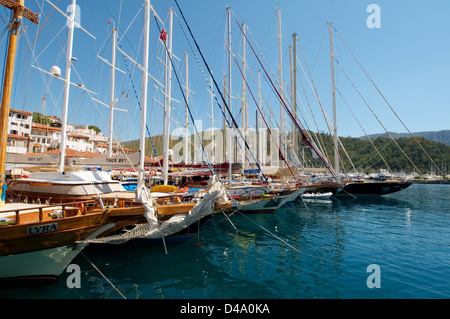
37	241
358	188
372	188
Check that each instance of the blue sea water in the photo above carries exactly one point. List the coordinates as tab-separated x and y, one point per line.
311	250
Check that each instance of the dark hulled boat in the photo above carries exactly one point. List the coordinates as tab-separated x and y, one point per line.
371	188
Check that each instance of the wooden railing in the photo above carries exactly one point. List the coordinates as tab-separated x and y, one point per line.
82	204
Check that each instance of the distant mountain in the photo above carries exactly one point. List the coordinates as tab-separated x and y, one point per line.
435	136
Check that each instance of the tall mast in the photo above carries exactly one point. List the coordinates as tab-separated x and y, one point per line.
186	137
271	146
294	89
19	11
71	26
224	133
280	70
144	89
291	91
212	121
262	145
113	79
230	139
333	97
244	99
255	138
168	100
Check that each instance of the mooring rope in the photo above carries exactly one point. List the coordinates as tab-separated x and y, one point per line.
98	270
265	229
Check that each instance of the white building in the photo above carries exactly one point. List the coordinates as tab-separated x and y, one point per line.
28	137
96	138
44	137
79	137
19	128
79	142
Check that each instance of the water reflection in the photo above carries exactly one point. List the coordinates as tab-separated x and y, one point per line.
320	250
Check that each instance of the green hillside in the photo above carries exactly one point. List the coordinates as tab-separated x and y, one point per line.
363	154
403	155
435	136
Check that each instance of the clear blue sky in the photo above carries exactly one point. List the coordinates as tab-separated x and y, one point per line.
407	57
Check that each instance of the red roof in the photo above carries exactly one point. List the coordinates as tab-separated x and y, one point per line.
37	126
78	135
148	159
21	112
18	137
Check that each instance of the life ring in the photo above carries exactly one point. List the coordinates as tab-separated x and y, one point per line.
177	199
152	172
80	207
182	190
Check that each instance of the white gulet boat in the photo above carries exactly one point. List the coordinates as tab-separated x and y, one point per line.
69	183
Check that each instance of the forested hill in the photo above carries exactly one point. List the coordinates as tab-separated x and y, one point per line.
435	136
401	154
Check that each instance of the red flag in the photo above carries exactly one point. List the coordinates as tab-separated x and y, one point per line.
163	35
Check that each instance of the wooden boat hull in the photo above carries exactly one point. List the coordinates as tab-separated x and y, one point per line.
38	236
39	241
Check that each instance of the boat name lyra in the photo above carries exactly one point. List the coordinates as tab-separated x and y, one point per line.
42	229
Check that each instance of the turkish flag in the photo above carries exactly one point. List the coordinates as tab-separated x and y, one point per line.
163	35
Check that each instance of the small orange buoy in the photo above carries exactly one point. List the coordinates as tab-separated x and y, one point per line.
197	244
